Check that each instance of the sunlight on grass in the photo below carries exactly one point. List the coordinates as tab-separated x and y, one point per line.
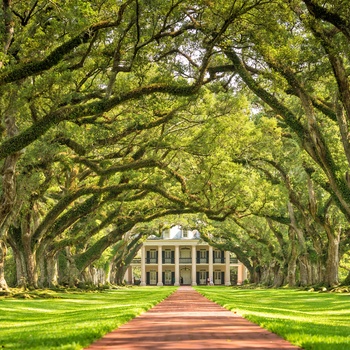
71	321
317	321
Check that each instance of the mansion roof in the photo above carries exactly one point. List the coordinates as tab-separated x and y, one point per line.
175	233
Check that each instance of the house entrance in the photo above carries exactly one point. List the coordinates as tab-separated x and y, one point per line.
185	275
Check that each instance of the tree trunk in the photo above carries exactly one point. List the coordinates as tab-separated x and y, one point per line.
52	270
120	273
25	256
71	276
332	264
112	275
278	277
86	275
316	275
305	270
101	276
42	281
21	272
256	272
30	262
109	274
292	262
3	251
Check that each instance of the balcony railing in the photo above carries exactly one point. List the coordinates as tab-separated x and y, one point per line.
184	260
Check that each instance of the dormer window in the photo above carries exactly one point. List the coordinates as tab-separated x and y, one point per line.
166	234
184	234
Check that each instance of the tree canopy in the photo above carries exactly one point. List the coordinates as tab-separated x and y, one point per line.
116	114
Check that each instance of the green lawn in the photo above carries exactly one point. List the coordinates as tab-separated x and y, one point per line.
318	321
71	320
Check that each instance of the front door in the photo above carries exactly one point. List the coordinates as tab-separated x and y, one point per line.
185	276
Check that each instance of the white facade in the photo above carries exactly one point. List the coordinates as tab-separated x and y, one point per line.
181	257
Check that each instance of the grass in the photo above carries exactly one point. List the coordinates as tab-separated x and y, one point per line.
71	321
317	321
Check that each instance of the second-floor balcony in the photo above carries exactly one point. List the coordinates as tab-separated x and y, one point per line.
186	260
154	260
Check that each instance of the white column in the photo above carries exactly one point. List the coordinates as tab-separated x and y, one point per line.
245	272
143	266
240	274
128	275
227	269
131	274
211	263
194	270
177	265
160	267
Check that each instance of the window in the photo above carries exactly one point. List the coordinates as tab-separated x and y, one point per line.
152	256
185	256
153	277
217	256
166	234
217	277
167	256
203	256
184	234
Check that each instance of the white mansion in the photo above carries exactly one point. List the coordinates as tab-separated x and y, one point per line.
181	257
